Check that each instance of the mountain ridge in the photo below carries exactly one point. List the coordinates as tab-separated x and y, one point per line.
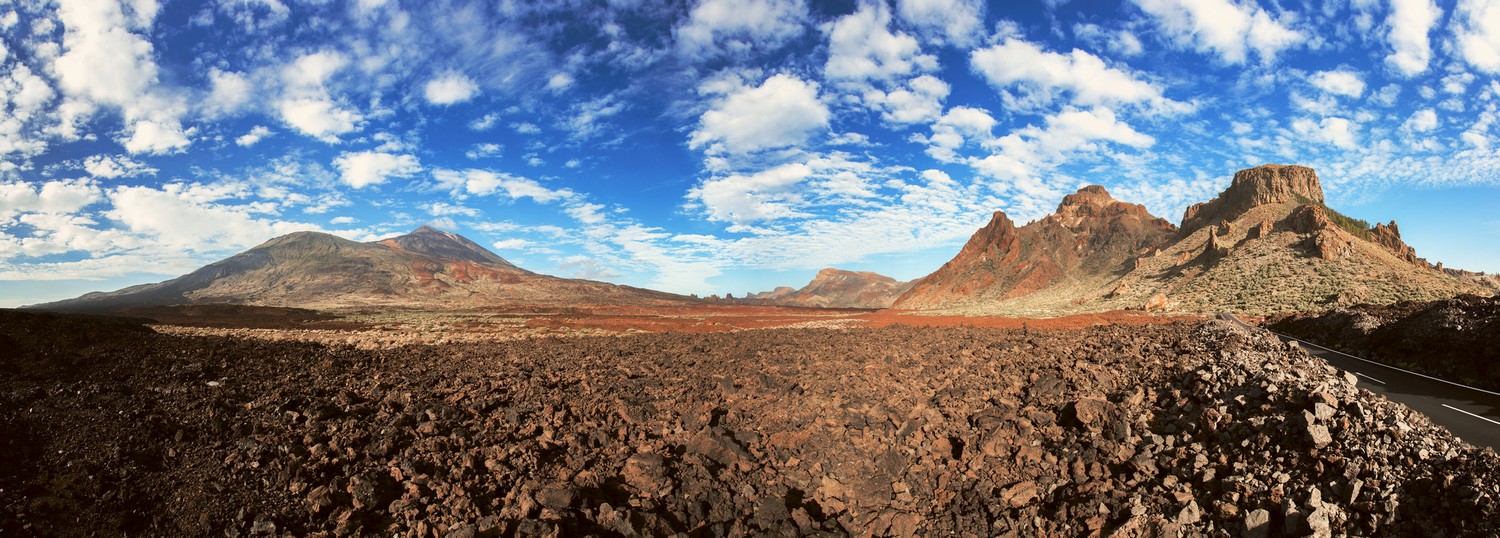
427	268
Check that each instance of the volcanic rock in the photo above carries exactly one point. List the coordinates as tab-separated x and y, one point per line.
1090	236
1262	185
837	288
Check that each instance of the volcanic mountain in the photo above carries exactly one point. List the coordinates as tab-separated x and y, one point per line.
1087	243
837	288
1266	244
425	269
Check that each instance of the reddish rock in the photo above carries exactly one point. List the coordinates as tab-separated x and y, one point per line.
1091	233
1389	236
1266	184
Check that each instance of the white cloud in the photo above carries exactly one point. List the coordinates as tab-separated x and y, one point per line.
364	168
484	150
1339	132
958	125
1341	82
920	101
738	27
105	63
586	213
1422	121
157	137
861	47
1228	28
956	22
484	182
1043	76
340	220
312	70
228	92
1120	42
183	218
1410	23
111	167
319	118
560	82
766	195
1477	32
783	111
513	244
256	134
483	123
444	209
450	88
57	196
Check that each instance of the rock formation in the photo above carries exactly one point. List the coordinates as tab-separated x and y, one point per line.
837	288
1266	244
1090	235
1262	185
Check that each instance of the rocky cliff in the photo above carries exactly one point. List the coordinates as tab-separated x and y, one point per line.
1267	244
1090	236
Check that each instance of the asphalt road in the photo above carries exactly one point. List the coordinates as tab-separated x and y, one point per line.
1471	414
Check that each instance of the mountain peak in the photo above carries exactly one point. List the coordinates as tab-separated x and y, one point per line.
1254	187
1092	195
432	242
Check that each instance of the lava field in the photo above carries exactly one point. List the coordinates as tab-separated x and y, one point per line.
1196	428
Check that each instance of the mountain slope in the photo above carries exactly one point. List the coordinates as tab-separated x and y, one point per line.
424	269
837	288
1089	239
1267	244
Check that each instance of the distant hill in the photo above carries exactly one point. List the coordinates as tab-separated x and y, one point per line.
1267	244
836	288
424	269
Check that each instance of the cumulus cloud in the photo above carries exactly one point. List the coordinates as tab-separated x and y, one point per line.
255	135
1422	121
104	62
1338	132
746	198
1477	33
1410	23
57	196
958	126
782	111
320	118
228	92
1340	82
861	47
1043	76
117	166
183	217
921	100
364	168
307	105
738	27
450	88
1230	29
485	182
955	22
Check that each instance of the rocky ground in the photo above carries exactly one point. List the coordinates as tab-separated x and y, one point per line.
1456	339
1194	428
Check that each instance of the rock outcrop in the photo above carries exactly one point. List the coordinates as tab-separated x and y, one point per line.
1267	244
1262	185
1090	235
836	288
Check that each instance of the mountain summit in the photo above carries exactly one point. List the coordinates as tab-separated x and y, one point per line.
837	288
427	268
1089	239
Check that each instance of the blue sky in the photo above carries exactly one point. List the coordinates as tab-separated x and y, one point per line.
717	145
